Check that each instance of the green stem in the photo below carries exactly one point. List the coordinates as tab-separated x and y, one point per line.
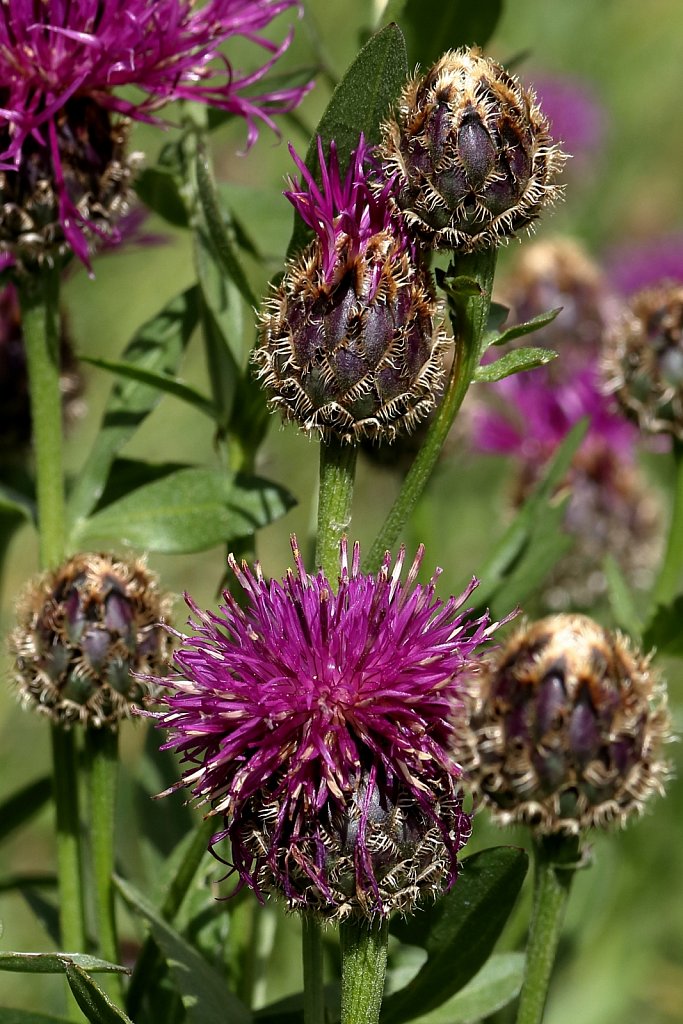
556	859
668	582
39	296
469	313
312	949
65	782
337	475
101	767
364	961
150	958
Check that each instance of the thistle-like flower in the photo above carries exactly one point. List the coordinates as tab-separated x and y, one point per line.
352	340
85	633
64	172
317	724
643	360
472	153
564	728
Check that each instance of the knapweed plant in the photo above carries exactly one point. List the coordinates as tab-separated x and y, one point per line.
309	795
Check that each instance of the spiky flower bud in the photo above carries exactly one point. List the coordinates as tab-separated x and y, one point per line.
352	339
85	633
472	153
643	360
565	727
93	171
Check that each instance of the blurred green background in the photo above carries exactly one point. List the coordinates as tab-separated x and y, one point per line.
621	959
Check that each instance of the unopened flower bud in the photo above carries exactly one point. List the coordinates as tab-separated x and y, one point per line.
86	633
352	339
643	360
564	728
472	152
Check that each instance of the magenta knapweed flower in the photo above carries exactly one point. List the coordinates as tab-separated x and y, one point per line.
352	340
576	115
318	723
61	68
633	266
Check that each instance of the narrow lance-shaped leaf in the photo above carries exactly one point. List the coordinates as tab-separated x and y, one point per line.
496	984
162	382
55	963
518	361
497	337
204	992
157	347
95	1004
458	931
190	510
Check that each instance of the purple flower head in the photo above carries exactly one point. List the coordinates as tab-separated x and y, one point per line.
318	724
348	215
62	66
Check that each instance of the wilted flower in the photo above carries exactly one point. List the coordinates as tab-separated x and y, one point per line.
85	632
64	123
15	405
317	723
564	728
472	153
643	360
352	339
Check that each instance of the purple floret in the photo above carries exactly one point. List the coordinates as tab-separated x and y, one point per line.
311	701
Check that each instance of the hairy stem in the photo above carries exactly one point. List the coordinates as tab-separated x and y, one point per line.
337	475
312	950
364	961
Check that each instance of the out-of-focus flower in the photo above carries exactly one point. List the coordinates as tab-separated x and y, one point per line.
15	405
564	728
472	153
634	266
352	339
643	360
610	510
575	116
64	174
84	633
317	723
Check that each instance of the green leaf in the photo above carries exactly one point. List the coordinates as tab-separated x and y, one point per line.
515	553
434	26
360	103
621	601
162	382
519	330
189	510
204	992
496	984
21	806
458	931
10	1016
664	632
518	361
220	230
55	963
158	189
95	1004
157	347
